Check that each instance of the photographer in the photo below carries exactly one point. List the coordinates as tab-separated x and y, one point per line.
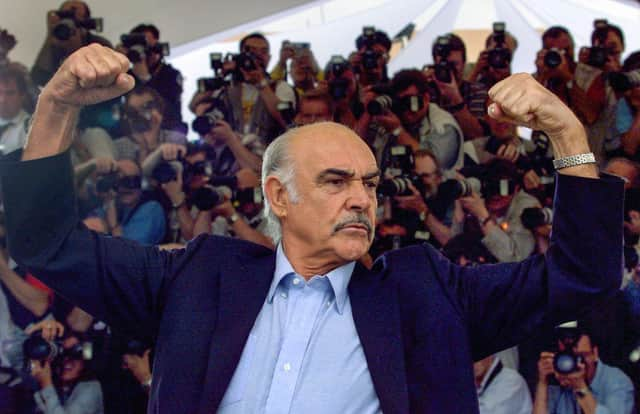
14	120
371	57
436	212
127	210
150	69
305	72
342	86
410	118
68	29
498	212
585	383
65	383
465	100
555	63
142	118
628	108
494	63
596	106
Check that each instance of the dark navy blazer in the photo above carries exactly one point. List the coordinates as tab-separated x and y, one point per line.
422	321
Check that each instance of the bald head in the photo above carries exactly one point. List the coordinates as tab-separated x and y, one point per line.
320	184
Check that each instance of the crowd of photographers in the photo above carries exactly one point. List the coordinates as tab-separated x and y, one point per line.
478	189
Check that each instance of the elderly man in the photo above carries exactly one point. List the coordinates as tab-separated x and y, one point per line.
243	329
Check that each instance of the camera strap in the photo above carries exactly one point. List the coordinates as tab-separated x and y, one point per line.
492	376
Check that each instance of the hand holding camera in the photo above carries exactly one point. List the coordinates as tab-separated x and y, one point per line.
105	165
41	349
414	202
222	131
475	205
172	151
7	43
138	365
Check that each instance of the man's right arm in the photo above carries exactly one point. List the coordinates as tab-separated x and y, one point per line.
114	280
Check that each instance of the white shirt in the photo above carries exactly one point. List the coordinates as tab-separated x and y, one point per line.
15	135
503	393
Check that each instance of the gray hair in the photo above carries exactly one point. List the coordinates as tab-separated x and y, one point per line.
277	162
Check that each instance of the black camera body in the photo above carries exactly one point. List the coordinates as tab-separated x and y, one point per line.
623	81
67	25
442	69
553	58
566	361
35	347
138	49
204	123
338	86
500	56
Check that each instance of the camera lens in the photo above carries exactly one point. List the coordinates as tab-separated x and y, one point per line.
552	59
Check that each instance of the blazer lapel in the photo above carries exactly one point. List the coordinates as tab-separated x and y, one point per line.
244	284
376	315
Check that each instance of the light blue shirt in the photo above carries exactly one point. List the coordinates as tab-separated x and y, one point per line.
611	388
303	354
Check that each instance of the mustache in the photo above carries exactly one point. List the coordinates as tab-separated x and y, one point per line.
359	218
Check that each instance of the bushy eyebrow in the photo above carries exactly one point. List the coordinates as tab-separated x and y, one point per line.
345	174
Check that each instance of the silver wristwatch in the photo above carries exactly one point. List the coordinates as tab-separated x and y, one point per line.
573	160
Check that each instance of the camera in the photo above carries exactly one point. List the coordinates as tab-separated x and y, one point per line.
245	61
211	84
454	189
566	361
369	57
398	160
138	49
112	181
35	347
442	69
204	123
399	186
499	57
553	57
623	81
533	217
67	25
379	105
339	86
296	46
206	198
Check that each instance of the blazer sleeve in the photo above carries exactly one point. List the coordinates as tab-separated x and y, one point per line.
115	280
504	304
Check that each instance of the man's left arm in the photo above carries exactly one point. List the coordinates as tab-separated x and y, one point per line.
505	304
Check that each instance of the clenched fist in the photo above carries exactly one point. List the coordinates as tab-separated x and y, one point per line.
90	75
520	99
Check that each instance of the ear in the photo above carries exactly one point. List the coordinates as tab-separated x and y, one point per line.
596	353
277	195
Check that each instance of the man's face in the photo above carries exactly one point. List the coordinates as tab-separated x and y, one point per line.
562	42
409	117
498	204
259	48
128	196
10	99
71	368
302	69
312	111
143	103
376	73
623	170
589	354
455	58
336	179
613	43
426	169
197	181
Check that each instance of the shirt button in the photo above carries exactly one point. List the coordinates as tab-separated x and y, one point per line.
296	281
329	304
287	367
284	295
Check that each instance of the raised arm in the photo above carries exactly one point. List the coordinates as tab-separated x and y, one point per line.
504	304
114	280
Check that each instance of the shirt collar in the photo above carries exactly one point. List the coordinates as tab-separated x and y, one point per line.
487	375
339	278
20	117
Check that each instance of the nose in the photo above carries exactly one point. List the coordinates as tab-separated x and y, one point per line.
360	198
